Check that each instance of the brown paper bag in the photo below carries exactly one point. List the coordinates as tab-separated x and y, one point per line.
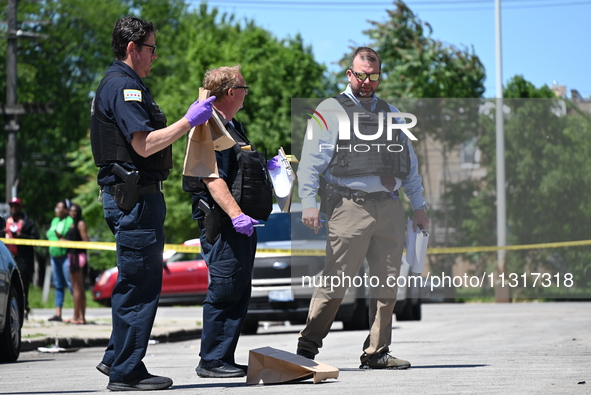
221	137
269	365
202	142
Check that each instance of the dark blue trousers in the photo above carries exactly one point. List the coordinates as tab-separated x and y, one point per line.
230	261
139	235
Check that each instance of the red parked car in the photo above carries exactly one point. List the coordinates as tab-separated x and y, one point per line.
184	279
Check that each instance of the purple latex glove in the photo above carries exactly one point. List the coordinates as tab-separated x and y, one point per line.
273	163
199	112
243	224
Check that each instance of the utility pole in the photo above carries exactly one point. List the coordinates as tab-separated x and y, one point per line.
11	109
11	125
502	295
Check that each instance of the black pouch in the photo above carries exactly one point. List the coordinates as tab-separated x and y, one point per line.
212	221
126	195
322	194
330	197
193	184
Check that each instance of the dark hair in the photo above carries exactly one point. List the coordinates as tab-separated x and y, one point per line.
126	30
78	210
66	202
367	54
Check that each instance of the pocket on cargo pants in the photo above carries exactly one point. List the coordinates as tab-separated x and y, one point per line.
226	281
135	251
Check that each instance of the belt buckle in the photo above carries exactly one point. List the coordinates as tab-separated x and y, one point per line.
358	197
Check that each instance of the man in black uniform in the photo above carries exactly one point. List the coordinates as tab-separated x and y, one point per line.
132	146
228	238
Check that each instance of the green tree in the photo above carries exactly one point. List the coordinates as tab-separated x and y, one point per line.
275	69
547	169
57	71
426	77
414	64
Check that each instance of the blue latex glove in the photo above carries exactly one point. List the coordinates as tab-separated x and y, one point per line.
273	163
243	224
199	112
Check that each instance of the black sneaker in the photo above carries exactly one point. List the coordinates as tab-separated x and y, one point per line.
220	372
148	383
104	369
383	360
305	353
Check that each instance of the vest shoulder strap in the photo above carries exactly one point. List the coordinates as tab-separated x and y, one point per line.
107	78
349	105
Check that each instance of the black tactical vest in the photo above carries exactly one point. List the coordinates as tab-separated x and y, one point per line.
379	157
250	185
252	188
109	144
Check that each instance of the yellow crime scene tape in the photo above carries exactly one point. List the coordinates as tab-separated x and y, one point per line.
110	246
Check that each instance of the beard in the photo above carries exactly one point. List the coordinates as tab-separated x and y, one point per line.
362	93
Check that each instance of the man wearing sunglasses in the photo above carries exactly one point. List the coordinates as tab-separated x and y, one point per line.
131	144
361	200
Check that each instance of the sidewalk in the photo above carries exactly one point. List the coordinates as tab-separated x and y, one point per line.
172	324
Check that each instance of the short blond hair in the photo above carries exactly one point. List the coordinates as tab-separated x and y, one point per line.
219	80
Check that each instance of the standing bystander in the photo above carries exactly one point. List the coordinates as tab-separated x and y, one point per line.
59	256
20	226
78	267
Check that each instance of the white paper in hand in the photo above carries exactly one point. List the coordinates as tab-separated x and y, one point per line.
416	247
283	179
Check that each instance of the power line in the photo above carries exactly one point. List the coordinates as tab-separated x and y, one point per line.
432	5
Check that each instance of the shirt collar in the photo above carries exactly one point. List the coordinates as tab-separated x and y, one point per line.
349	93
128	70
224	120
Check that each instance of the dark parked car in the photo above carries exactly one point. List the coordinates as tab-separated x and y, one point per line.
12	305
288	252
184	279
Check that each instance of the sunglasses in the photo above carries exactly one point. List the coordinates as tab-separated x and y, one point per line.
150	46
242	87
363	76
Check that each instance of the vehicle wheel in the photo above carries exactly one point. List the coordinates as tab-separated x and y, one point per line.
10	338
410	312
360	318
250	327
104	302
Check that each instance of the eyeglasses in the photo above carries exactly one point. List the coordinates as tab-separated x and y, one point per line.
242	87
363	76
151	46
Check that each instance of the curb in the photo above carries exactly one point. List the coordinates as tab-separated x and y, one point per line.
77	342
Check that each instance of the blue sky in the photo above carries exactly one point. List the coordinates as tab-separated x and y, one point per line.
546	41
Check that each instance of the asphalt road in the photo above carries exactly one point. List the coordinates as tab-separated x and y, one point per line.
519	348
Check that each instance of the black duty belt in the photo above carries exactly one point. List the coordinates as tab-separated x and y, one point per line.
144	190
361	196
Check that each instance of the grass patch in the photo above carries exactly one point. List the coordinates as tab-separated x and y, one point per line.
36	299
34	335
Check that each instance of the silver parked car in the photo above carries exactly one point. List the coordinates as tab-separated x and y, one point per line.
12	305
